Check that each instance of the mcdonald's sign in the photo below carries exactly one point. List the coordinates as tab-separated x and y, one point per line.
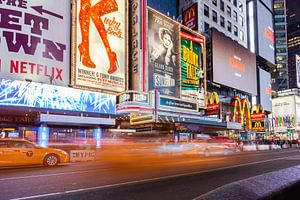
258	126
241	110
190	17
212	102
257	113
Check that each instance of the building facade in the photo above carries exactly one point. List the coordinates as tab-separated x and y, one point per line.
229	17
293	30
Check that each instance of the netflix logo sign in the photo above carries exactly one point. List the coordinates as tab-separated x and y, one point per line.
35	40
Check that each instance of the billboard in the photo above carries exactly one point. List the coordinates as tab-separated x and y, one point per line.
190	17
265	90
233	65
37	95
192	68
265	33
99	44
31	46
163	55
298	70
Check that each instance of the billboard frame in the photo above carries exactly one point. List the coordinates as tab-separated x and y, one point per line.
74	52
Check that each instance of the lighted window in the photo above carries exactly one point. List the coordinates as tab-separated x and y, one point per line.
278	5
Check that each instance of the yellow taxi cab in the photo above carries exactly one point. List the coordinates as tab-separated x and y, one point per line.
15	152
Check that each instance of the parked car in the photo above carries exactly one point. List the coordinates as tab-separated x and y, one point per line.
14	152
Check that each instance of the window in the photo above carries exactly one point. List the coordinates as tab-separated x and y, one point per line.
222	21
278	5
235	3
214	2
222	5
229	26
279	12
235	31
280	42
206	10
241	6
242	35
235	16
279	27
206	26
229	11
215	16
280	50
241	20
279	19
280	35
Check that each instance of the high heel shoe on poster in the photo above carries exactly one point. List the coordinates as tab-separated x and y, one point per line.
85	58
114	65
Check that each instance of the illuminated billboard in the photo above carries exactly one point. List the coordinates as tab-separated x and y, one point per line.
233	65
35	41
192	68
99	44
44	96
265	89
163	54
265	33
190	17
298	70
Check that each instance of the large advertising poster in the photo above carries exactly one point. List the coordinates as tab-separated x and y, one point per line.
35	41
99	44
163	56
265	90
298	70
192	68
233	65
265	33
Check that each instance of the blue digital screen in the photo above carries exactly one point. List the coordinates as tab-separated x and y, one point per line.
38	95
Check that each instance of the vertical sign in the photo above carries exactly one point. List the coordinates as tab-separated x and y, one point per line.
298	70
192	70
100	44
163	57
30	44
190	17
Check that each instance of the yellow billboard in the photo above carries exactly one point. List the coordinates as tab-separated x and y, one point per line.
99	44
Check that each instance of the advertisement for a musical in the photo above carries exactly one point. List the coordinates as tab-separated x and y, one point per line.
163	56
100	44
35	41
192	72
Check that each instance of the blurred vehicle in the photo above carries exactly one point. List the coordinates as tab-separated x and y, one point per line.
206	147
14	152
230	143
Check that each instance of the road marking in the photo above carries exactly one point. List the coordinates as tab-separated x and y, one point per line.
145	180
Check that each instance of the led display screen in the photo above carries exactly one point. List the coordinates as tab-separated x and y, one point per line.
37	95
265	89
233	65
265	33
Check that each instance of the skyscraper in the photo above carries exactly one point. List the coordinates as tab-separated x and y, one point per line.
280	73
293	29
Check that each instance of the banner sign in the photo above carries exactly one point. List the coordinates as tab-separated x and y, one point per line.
192	71
133	97
190	17
258	126
298	70
100	44
163	55
35	41
37	95
177	103
213	106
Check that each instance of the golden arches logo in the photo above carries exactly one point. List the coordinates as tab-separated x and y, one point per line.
212	98
242	109
189	14
258	125
258	108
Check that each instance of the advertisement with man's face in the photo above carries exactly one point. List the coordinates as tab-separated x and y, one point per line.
100	44
163	56
192	68
265	90
265	33
35	41
233	65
